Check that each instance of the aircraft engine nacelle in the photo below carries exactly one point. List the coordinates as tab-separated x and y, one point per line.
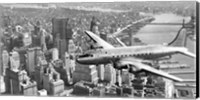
120	66
133	69
136	71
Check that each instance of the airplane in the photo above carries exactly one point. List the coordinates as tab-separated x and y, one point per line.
130	57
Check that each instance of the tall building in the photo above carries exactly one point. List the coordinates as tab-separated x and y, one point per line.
62	30
100	70
126	77
27	39
67	62
15	61
38	77
103	35
5	60
2	85
95	30
110	74
1	57
169	88
69	65
85	73
39	57
31	61
62	47
4	55
55	54
119	78
71	47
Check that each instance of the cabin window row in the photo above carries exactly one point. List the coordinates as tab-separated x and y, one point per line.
128	55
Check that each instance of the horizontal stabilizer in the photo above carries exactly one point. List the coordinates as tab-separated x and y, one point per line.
189	54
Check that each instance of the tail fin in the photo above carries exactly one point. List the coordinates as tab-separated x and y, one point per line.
180	39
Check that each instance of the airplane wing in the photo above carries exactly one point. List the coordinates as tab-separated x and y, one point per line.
124	45
118	40
100	42
139	65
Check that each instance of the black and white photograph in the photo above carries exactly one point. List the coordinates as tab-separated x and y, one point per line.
116	49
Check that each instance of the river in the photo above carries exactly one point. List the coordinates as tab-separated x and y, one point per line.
148	33
159	34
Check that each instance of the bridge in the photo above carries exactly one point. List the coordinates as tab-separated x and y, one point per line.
175	24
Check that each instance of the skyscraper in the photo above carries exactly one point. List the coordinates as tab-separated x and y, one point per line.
110	74
100	70
5	60
55	54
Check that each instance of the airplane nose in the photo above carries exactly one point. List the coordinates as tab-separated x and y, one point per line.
78	60
81	60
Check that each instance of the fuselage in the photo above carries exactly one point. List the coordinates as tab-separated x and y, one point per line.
150	52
